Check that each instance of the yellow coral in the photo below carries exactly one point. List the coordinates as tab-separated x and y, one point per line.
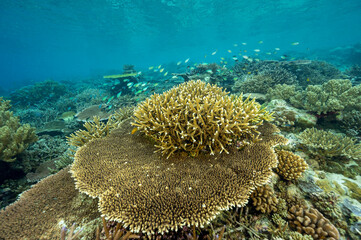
14	137
195	116
290	166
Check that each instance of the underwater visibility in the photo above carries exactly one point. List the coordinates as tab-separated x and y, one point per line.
180	119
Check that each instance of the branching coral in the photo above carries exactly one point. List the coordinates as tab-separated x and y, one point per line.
312	222
290	166
14	137
97	128
326	143
333	96
195	116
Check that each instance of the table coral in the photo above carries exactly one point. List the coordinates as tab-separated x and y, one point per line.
14	137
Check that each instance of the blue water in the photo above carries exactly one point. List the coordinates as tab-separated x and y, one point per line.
74	39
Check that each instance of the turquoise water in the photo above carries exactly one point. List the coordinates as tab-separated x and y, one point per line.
76	39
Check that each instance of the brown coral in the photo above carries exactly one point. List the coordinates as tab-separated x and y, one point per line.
14	137
196	116
264	199
38	212
312	222
290	166
150	193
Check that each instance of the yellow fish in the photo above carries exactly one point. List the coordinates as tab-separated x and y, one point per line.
230	51
236	45
213	53
150	68
308	79
260	42
159	66
134	130
179	63
222	58
186	60
161	70
165	74
295	43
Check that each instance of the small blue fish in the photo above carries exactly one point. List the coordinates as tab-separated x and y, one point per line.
105	98
100	106
118	95
110	99
110	106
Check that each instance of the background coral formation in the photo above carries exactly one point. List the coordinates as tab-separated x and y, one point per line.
14	137
328	144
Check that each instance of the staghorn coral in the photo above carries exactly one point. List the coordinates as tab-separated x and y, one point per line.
149	193
290	166
264	199
14	137
312	222
98	129
195	116
326	143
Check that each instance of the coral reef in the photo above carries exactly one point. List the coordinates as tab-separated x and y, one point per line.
90	112
333	96
264	199
14	137
326	143
312	72
195	116
184	190
47	91
286	116
98	129
266	77
290	166
312	222
281	91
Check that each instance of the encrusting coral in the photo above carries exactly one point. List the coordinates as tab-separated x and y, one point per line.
327	144
150	193
290	166
312	222
195	116
264	199
14	137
